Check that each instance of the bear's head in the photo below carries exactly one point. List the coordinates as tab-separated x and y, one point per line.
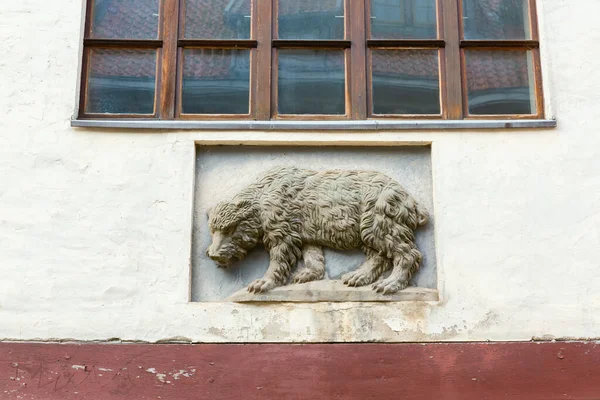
235	229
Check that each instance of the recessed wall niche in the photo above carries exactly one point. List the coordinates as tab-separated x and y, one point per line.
224	171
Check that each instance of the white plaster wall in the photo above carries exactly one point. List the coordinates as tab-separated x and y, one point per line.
95	225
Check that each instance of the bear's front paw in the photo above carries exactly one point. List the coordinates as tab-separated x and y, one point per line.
357	278
307	275
261	285
389	286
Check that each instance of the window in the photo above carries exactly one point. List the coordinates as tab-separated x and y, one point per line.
311	59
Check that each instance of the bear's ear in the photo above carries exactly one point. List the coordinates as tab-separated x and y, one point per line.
245	208
209	211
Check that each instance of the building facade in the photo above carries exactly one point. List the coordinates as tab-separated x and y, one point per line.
102	216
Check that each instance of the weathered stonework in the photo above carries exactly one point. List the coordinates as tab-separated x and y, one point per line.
294	212
223	172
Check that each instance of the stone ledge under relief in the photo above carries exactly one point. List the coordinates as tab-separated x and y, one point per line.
331	291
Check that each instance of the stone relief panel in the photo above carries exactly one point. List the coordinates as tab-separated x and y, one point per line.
306	224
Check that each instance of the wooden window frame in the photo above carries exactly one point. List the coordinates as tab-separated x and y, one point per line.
532	45
356	45
438	43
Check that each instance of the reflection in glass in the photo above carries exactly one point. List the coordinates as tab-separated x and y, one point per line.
500	82
405	82
133	19
121	81
311	82
496	19
216	81
217	19
403	19
311	20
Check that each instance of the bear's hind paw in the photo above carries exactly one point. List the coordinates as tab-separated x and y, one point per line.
357	278
261	285
307	275
389	286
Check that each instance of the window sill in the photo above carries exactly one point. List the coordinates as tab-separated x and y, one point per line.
367	125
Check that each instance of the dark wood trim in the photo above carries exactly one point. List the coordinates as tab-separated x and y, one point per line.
168	76
439	19
253	62
464	84
347	84
262	79
83	87
369	58
539	88
357	75
216	43
515	117
328	44
407	116
367	19
218	117
525	44
533	20
158	82
416	371
274	18
89	14
442	78
451	78
461	18
312	117
274	83
406	43
119	116
137	43
179	85
181	19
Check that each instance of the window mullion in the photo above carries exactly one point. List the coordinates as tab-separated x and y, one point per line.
358	75
261	77
168	65
452	83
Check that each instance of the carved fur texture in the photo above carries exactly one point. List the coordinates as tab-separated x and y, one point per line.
296	212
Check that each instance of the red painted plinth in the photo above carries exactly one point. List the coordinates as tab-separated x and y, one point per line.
462	371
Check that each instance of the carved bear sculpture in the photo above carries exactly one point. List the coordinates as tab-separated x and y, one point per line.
295	212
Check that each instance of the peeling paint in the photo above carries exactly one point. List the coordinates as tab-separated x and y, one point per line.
163	377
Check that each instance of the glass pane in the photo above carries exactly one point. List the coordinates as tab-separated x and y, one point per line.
216	81
132	19
406	82
121	81
496	19
311	82
403	19
311	20
500	82
217	19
